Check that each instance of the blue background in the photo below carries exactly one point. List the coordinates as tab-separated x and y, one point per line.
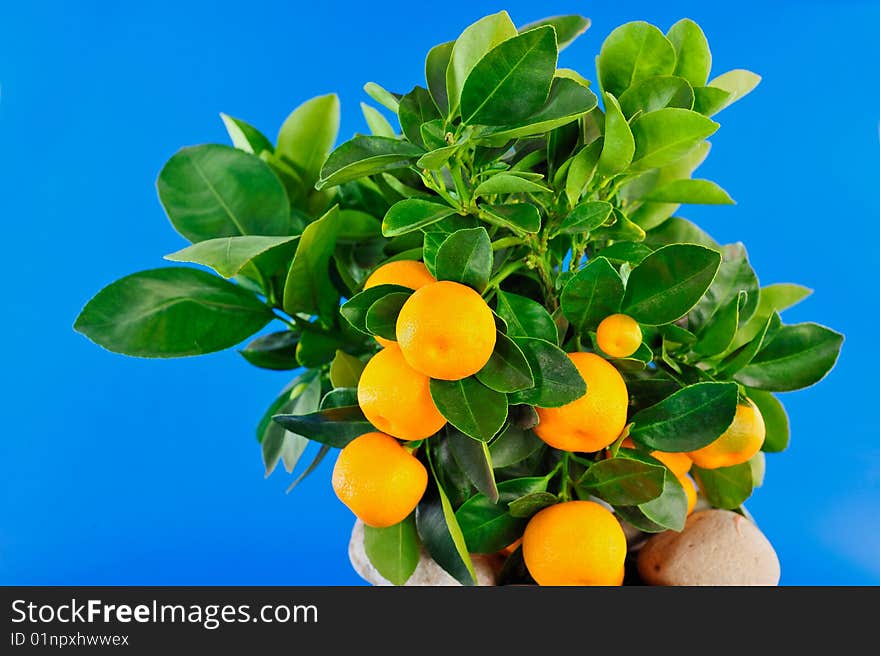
116	470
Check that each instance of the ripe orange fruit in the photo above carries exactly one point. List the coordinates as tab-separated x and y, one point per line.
593	421
396	399
690	490
446	331
619	335
678	463
574	543
379	480
737	444
406	273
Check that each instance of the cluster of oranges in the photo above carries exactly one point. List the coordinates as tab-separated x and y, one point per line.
446	331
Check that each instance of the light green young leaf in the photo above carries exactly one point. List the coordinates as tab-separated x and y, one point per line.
568	28
378	124
505	183
228	255
633	52
245	136
308	135
772	298
385	98
738	83
619	146
692	192
656	93
693	59
308	288
667	134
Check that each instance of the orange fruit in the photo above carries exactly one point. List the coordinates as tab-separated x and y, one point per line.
619	335
593	421
678	463
379	480
742	439
690	490
446	331
396	398
574	543
406	273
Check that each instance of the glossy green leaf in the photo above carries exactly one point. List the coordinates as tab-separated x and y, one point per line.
436	64
635	517
737	83
301	397
245	136
416	107
507	369
169	313
273	351
619	145
475	461
718	333
526	506
228	255
308	135
436	159
693	59
381	318
656	93
376	121
505	183
394	550
519	217
465	257
693	192
512	81
740	357
621	228
568	27
216	191
664	135
363	156
525	317
585	217
319	457
557	380
592	294
470	406
355	309
315	349
775	420
582	170
797	356
623	481
345	370
669	282
470	47
382	96
335	427
710	100
633	52
670	508
725	487
308	288
514	445
339	397
626	251
688	419
412	214
771	298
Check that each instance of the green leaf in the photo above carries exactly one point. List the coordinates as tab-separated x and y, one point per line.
376	121
273	351
693	59
775	420
656	93
582	170
709	100
633	52
245	136
585	217
621	228
356	308
519	217
718	333
797	356
308	134
619	146
771	298
339	397
216	191
514	445
725	487
740	357
664	135
568	28
465	257
623	481
592	294
435	73
735	275
393	551
302	396
473	44
635	517
440	532
229	255
525	317
687	420
737	83
526	506
170	313
335	427
319	457
382	96
567	101
381	318
470	406
363	156
411	214
345	370
507	369
669	282
316	349
670	508
308	288
505	183
512	81
436	159
626	251
475	461
416	107
694	192
557	380
488	526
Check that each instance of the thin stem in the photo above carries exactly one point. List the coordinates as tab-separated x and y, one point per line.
505	271
506	242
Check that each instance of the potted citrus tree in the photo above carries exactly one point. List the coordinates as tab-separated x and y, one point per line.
493	312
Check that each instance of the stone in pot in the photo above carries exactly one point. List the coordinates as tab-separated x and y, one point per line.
716	547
